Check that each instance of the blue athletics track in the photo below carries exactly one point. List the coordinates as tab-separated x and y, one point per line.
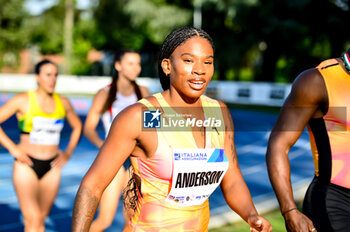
252	128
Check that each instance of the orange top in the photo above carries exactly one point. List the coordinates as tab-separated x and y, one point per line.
337	124
161	207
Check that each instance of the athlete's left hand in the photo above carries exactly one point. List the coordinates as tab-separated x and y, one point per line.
61	159
258	223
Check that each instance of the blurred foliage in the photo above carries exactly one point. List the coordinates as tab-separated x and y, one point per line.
47	29
13	31
84	35
278	39
260	40
154	18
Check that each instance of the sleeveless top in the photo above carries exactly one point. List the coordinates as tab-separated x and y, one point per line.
118	105
330	135
178	179
43	128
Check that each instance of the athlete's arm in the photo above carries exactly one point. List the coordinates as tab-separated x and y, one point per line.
120	142
307	99
76	125
93	118
233	187
12	107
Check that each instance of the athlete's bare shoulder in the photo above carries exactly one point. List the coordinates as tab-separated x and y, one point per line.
101	95
129	120
19	101
308	77
309	88
21	97
222	104
132	112
65	102
153	100
103	91
18	104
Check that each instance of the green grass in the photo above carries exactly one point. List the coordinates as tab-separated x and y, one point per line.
274	217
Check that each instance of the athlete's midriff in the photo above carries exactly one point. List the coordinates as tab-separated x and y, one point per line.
40	131
37	151
154	213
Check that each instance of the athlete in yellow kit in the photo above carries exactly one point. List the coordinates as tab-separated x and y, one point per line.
38	159
175	168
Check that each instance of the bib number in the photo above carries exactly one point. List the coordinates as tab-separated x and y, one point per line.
196	174
46	131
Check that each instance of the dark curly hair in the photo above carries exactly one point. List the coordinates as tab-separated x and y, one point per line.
131	193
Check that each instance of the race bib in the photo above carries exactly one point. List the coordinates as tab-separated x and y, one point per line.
196	174
46	131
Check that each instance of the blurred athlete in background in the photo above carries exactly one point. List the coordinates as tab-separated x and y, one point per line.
107	103
38	159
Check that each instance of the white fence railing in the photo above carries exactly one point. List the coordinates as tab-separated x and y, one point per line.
81	88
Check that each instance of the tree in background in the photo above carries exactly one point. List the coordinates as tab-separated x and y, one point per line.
47	28
68	35
47	33
274	40
13	31
256	40
295	38
137	24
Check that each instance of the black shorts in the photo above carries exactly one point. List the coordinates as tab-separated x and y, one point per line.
328	206
41	167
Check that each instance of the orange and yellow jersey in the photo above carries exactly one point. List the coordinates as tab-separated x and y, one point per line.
43	128
178	179
330	135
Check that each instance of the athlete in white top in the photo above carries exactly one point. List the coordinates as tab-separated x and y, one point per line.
107	103
118	105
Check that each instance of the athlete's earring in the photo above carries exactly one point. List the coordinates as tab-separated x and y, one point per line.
346	60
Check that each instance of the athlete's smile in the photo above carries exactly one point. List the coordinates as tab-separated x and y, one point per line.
197	83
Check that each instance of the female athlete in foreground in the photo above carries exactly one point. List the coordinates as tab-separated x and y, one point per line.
176	168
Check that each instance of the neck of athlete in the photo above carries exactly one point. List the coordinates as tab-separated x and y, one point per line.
124	85
43	93
178	99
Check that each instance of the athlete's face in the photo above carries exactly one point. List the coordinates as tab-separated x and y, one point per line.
129	66
191	67
47	78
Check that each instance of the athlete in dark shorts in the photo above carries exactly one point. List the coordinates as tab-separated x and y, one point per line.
38	159
320	100
41	167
